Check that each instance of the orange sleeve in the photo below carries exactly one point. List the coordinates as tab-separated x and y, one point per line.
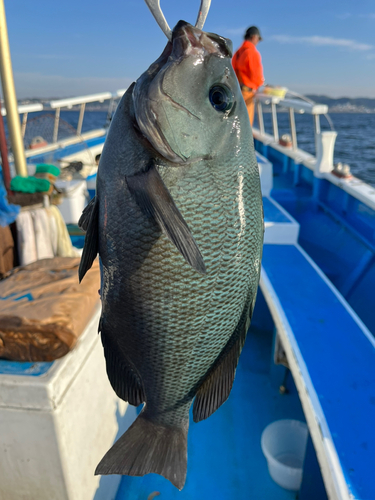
256	68
235	64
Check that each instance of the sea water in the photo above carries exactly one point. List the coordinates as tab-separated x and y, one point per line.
355	143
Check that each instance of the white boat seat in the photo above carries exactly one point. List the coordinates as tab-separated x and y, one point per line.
280	227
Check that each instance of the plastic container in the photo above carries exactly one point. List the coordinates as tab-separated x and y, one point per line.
91	185
284	445
74	201
275	91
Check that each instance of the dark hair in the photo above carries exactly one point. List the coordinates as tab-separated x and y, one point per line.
252	31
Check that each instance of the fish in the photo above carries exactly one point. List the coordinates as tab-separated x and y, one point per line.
177	221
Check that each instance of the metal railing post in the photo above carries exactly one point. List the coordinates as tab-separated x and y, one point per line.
110	111
317	131
80	119
23	126
274	122
260	117
56	126
293	129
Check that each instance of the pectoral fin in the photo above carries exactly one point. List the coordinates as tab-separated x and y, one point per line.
89	222
155	200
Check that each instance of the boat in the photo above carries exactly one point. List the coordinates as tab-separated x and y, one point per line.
308	361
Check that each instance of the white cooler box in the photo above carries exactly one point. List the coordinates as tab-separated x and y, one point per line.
57	420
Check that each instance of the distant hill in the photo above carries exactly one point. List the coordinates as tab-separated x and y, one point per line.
346	104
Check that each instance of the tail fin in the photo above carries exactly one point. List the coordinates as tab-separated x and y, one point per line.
148	447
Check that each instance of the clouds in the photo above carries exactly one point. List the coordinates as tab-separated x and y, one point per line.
346	15
235	31
322	41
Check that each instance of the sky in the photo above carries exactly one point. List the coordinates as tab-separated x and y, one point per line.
77	47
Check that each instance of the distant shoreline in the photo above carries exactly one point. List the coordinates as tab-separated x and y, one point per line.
362	105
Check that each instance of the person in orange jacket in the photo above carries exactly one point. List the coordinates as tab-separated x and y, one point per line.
247	64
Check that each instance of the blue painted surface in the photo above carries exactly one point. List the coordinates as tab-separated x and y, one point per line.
16	297
225	459
272	213
339	357
260	159
24	368
77	241
336	230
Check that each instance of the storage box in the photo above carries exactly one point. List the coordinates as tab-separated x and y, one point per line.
57	421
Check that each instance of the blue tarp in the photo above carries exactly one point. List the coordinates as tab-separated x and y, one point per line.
8	213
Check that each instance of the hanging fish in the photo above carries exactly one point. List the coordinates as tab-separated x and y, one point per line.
178	223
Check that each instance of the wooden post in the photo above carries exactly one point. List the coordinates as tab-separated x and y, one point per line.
4	154
10	99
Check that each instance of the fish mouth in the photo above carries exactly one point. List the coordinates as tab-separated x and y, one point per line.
188	40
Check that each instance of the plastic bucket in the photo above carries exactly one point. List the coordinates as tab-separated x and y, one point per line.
74	201
284	445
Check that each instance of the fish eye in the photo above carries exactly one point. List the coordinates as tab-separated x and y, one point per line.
221	97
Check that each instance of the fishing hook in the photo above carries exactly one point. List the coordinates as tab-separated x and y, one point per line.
154	6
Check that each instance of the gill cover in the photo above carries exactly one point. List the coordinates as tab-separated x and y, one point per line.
183	103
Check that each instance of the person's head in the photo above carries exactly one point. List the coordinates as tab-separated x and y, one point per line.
253	35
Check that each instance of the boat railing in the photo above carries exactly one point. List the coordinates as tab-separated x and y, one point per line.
24	110
322	161
69	103
293	106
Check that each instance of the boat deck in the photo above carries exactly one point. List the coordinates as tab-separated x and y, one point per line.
225	460
332	357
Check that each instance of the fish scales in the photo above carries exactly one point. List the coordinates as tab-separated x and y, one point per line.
189	322
169	332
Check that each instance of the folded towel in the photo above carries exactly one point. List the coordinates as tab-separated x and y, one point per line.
64	243
42	231
27	252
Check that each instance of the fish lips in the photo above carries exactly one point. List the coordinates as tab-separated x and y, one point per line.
188	40
163	120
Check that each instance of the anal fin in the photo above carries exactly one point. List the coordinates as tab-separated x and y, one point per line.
217	385
124	381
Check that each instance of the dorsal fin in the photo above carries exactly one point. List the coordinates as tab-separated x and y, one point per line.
89	221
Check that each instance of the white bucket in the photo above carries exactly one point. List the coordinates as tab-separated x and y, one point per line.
284	445
75	199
